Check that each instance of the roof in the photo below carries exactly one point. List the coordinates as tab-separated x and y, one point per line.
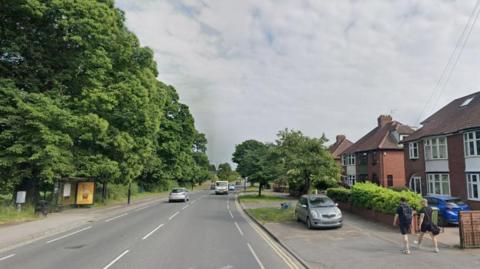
451	118
340	145
381	137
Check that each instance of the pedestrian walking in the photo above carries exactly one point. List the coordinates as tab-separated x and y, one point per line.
427	225
404	216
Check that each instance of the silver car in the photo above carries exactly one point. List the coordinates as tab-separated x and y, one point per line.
179	194
318	211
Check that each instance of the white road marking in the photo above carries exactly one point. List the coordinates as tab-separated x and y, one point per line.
255	256
231	215
67	235
193	202
6	257
154	230
114	218
185	207
173	216
116	259
239	230
142	208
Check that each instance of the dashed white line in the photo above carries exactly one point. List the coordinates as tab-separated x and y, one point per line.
193	202
142	208
6	257
173	216
255	256
150	233
116	259
231	215
114	218
67	235
239	230
185	207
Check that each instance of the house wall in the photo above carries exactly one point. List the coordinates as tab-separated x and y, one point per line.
415	167
393	164
373	168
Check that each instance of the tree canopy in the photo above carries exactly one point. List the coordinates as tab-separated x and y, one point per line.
79	97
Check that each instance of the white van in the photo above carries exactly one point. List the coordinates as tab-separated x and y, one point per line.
221	187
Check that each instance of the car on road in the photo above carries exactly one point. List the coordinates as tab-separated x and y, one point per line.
449	208
318	211
231	187
179	194
221	187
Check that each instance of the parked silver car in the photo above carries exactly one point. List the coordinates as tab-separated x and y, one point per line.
178	194
318	211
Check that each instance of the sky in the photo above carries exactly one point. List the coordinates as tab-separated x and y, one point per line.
250	68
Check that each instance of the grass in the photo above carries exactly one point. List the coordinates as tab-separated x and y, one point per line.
254	198
9	214
271	214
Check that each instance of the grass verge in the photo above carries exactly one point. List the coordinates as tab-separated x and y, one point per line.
9	214
254	198
271	214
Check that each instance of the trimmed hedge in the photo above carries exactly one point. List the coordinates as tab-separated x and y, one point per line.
371	196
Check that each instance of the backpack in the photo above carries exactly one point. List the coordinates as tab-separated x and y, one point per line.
406	213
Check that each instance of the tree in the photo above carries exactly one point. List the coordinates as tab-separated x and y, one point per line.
265	162
225	172
246	163
306	160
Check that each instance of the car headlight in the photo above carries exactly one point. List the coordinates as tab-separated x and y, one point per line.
339	213
314	214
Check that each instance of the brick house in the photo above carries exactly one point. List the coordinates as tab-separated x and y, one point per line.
443	156
378	156
337	148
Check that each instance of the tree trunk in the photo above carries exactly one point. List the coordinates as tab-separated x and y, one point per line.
259	189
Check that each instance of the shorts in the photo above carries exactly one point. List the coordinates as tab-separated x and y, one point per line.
426	228
405	228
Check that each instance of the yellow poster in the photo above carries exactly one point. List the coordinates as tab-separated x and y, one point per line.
85	193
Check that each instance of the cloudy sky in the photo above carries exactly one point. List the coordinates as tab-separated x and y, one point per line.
249	68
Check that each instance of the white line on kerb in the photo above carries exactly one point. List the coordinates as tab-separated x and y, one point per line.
114	218
173	216
255	256
6	257
231	215
67	235
239	230
154	230
116	259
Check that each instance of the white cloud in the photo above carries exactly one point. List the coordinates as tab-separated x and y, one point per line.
250	68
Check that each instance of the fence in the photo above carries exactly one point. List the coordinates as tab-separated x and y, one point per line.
469	229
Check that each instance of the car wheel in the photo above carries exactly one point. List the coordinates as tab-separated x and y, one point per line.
309	223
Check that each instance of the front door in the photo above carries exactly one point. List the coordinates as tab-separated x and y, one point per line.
416	184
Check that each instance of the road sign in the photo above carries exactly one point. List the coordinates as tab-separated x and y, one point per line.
21	195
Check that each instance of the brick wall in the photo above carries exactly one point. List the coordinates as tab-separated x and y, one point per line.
456	163
393	164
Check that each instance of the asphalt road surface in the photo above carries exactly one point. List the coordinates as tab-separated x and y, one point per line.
208	232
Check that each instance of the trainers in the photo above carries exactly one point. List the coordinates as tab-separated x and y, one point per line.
436	250
407	252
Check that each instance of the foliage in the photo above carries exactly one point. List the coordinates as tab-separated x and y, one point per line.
243	157
271	214
9	214
79	97
339	194
371	196
225	172
326	183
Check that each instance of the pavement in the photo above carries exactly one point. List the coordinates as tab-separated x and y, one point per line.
208	232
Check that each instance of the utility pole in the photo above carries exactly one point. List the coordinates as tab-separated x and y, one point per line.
129	191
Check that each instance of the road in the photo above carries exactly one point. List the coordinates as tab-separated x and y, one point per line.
208	232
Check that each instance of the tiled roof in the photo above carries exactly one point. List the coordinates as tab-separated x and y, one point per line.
339	146
451	118
381	137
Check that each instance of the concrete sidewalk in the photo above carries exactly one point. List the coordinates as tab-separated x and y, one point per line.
15	235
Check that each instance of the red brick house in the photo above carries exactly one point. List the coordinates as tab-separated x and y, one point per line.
340	145
443	156
378	156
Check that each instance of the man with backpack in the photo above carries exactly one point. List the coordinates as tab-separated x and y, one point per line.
404	215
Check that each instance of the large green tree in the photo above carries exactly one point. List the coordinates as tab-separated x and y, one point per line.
246	162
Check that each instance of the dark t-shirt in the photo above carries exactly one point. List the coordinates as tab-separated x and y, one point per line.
404	213
427	211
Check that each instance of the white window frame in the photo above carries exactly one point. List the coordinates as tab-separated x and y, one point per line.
351	180
351	159
432	148
471	184
344	160
472	140
412	146
440	179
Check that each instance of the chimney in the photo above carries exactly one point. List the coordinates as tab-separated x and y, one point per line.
384	119
340	138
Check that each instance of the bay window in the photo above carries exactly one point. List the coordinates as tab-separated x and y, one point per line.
472	143
438	184
436	148
473	186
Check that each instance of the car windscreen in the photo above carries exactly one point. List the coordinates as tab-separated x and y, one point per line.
321	202
457	202
178	190
222	184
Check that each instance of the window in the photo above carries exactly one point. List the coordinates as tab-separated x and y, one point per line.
350	180
344	160
403	136
413	150
473	186
349	159
389	180
466	102
436	148
438	184
472	143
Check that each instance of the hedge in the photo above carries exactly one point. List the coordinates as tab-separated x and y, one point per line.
371	196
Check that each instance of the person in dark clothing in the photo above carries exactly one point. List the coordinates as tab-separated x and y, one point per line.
404	216
426	225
